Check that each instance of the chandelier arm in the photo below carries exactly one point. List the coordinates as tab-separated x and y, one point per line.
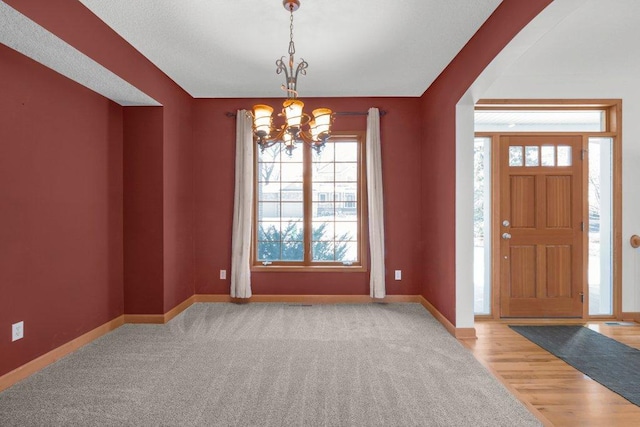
281	67
302	68
290	86
276	139
304	121
307	138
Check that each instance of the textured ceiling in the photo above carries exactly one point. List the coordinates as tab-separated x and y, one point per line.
25	36
599	38
225	49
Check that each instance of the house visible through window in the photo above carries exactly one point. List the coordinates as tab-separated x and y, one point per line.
309	205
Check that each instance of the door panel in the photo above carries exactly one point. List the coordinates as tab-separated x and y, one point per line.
540	226
558	270
523	201
558	201
523	273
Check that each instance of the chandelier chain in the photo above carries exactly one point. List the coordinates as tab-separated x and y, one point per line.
292	47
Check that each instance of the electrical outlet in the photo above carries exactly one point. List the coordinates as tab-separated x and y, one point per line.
17	331
398	275
223	274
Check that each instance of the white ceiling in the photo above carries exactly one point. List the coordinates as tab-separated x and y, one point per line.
222	49
25	36
599	38
383	50
573	49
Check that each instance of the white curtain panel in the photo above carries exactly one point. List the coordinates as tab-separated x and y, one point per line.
376	214
242	208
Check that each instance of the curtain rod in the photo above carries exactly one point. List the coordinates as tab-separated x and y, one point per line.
337	113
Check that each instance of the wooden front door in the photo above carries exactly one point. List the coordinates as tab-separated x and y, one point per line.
541	237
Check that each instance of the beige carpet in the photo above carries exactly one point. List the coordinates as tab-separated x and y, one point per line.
269	365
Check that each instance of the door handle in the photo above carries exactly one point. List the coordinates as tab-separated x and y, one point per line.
506	236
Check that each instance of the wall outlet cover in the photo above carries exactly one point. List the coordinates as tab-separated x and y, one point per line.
17	331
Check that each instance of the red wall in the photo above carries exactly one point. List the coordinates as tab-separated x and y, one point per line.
62	267
61	209
178	201
143	210
438	150
74	23
214	145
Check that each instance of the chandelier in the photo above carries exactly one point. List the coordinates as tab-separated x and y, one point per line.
298	126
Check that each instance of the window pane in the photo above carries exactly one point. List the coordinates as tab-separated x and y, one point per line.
346	151
292	251
515	156
600	270
269	172
291	191
548	155
323	172
291	172
322	231
269	230
296	155
326	155
322	251
268	241
322	191
539	120
269	191
269	154
531	156
291	210
269	251
324	210
564	155
346	231
268	210
293	230
346	251
482	225
350	202
346	172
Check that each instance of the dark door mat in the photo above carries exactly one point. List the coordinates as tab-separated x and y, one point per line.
607	361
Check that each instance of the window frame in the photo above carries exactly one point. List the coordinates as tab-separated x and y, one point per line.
361	265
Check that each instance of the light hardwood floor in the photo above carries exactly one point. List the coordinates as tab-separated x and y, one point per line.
557	393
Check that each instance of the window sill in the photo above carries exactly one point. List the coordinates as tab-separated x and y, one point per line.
309	268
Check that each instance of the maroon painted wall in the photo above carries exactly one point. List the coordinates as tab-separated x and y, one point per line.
74	23
214	139
438	150
178	202
60	208
143	210
62	266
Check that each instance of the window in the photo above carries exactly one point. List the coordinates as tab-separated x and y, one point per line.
482	225
601	239
546	120
309	206
547	156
